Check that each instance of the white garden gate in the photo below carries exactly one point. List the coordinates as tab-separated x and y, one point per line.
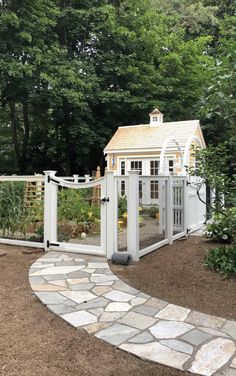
179	211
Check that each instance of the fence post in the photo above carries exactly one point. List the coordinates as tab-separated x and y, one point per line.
50	210
169	211
76	178
87	178
111	222
186	206
133	215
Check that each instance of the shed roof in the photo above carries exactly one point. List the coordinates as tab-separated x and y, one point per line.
144	137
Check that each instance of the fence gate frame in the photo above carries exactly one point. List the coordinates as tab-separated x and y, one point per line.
52	183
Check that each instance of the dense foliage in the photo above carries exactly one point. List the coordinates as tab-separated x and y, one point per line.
72	71
222	259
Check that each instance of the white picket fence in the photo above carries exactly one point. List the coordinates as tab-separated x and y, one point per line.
180	211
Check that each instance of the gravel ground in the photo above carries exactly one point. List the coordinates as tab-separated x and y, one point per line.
35	342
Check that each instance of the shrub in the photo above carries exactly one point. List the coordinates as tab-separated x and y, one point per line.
222	259
153	211
223	226
122	206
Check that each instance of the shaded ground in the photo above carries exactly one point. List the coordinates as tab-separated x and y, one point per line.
175	273
35	342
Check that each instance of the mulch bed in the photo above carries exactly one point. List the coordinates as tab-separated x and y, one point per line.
175	273
35	342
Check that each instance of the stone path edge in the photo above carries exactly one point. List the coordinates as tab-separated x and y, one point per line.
83	291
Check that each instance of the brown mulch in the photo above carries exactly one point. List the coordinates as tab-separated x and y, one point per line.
35	342
175	273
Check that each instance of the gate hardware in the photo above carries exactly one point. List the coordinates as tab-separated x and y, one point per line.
53	244
53	180
105	199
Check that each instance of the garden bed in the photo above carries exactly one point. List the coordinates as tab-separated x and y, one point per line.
175	273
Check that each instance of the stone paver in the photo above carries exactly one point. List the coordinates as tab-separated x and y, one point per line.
173	312
170	329
213	356
84	292
196	337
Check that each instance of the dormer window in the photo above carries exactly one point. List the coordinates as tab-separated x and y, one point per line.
156	117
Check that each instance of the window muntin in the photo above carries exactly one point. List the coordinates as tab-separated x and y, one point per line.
136	165
171	165
122	167
154	167
154	189
122	188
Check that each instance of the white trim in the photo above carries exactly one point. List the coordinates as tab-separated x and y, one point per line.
153	247
188	146
22	243
30	178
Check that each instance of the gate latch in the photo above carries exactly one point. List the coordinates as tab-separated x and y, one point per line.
104	199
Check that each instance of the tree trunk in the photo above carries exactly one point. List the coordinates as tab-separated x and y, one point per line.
12	106
25	137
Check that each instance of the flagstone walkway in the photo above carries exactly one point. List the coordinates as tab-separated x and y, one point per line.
83	291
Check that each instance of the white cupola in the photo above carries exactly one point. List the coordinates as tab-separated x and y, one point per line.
156	117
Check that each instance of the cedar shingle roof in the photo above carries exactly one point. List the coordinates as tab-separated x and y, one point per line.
151	137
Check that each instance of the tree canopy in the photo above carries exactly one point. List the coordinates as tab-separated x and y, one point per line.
72	71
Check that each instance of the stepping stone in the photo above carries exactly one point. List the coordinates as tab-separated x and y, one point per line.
119	296
79	296
93	328
137	320
57	270
156	303
111	316
96	311
116	334
158	353
214	332
100	290
233	364
60	282
118	307
103	278
196	337
94	303
149	311
212	356
226	372
80	318
138	301
60	309
82	286
201	319
50	297
230	328
143	337
76	281
173	312
47	287
98	265
120	285
37	280
169	329
178	345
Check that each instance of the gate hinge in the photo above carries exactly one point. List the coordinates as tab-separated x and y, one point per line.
105	199
52	244
53	180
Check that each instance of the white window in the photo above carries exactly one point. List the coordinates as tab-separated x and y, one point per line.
122	167
155	118
122	188
154	167
171	165
136	165
154	189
